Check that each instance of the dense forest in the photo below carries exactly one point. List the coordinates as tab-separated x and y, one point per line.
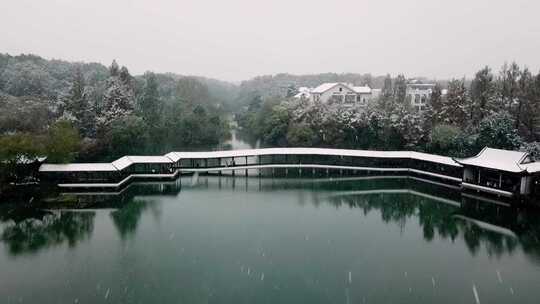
497	110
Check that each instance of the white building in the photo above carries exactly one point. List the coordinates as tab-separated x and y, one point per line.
419	95
337	93
303	93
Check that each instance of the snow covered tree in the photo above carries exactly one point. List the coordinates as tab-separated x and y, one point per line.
114	69
78	105
26	78
482	95
119	96
433	107
455	106
291	91
508	87
525	109
497	131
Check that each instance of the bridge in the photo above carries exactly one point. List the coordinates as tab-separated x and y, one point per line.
287	161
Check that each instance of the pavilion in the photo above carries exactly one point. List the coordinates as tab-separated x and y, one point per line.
501	172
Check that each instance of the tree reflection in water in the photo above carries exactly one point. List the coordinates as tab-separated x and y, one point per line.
27	231
126	219
440	212
500	230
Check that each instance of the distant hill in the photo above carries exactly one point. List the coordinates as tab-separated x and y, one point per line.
32	75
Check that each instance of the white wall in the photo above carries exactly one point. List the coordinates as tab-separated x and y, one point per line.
325	97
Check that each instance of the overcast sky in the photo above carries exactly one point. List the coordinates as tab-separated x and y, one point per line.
238	39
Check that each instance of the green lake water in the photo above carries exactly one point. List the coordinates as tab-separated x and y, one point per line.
264	240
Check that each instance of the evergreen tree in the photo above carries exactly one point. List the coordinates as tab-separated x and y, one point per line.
400	89
497	131
119	96
526	108
535	104
455	106
114	69
62	143
387	92
191	91
125	77
78	105
483	95
291	91
149	104
435	105
509	84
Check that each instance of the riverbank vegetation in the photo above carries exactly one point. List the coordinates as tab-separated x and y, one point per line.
499	111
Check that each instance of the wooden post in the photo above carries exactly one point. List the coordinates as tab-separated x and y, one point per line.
479	176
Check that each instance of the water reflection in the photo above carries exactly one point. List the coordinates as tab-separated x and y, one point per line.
127	217
440	212
445	221
27	231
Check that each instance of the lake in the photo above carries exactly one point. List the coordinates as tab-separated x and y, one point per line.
270	240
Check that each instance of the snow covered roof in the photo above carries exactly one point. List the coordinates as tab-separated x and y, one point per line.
324	87
116	165
302	94
126	161
362	90
321	151
531	167
421	84
327	86
504	160
150	159
171	157
304	89
122	162
88	167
